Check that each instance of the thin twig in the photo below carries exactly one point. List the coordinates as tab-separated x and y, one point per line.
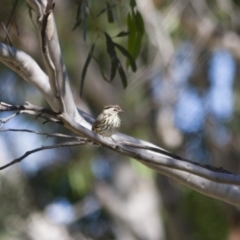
66	144
40	133
5	120
47	114
7	35
27	106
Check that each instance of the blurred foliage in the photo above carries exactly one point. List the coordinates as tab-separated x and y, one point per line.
135	34
211	222
170	105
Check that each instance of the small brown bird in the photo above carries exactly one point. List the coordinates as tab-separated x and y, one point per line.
108	122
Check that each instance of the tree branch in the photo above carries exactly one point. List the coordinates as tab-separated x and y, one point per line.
66	144
52	56
5	120
29	70
28	108
48	135
169	154
158	159
215	183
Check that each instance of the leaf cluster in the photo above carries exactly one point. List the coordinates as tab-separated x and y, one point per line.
134	33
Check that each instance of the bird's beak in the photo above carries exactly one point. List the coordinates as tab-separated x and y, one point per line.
120	110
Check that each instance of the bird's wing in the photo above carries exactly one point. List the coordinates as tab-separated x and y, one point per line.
97	121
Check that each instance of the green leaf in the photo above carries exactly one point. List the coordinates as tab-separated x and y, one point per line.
132	33
101	70
122	34
109	14
84	71
139	23
110	46
132	4
81	14
113	69
84	29
112	54
78	16
131	36
127	55
136	31
13	11
105	9
122	75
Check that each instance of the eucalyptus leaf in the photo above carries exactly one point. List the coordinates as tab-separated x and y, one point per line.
109	14
105	9
101	70
13	10
81	15
122	75
112	54
136	32
128	55
122	34
85	67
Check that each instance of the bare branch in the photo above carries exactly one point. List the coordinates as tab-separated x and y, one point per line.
226	177
159	150
229	193
5	120
7	34
66	144
28	108
48	135
166	153
208	172
228	185
29	70
52	56
49	9
56	90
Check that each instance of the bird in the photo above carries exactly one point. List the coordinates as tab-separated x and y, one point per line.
108	121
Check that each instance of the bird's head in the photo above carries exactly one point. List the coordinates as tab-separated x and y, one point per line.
112	110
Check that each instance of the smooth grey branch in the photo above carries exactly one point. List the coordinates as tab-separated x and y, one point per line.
29	70
169	166
52	56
